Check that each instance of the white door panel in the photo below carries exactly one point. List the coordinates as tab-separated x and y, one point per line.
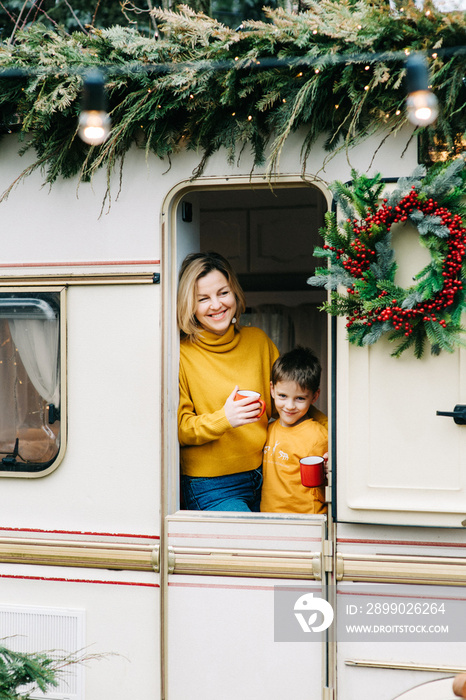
393	638
398	462
219	619
221	644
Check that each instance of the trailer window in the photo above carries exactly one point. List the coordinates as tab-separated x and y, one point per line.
30	381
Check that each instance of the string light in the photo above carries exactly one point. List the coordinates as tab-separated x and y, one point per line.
421	103
94	122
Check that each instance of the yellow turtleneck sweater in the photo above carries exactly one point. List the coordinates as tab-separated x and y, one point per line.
210	369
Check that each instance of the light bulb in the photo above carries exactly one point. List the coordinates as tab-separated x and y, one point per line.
422	107
94	126
94	122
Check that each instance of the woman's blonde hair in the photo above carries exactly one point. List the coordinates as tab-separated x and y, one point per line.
193	267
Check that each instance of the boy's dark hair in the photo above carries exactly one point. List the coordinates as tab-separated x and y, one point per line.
300	365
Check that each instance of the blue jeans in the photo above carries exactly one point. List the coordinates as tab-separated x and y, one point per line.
240	492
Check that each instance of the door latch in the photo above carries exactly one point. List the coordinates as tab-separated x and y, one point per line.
458	414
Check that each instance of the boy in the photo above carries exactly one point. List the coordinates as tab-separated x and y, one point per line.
294	388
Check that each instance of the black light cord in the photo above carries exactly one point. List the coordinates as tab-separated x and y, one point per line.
213	65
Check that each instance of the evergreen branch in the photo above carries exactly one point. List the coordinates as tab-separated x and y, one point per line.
314	80
22	674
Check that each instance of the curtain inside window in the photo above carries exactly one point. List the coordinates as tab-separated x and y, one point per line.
8	380
37	341
25	433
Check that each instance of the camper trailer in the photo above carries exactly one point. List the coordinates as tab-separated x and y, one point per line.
97	555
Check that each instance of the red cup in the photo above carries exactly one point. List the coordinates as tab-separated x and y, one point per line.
254	396
312	471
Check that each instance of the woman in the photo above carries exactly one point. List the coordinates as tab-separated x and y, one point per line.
221	439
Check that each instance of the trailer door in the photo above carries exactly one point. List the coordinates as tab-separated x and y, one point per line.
223	613
398	461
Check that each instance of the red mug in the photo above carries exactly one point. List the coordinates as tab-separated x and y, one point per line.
254	396
312	471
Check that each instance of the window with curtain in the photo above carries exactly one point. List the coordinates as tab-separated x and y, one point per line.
30	423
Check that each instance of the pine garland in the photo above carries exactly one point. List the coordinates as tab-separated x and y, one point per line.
361	258
215	89
22	674
18	670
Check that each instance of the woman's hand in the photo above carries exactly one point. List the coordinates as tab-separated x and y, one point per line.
241	412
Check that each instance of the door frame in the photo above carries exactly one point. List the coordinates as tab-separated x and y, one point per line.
170	351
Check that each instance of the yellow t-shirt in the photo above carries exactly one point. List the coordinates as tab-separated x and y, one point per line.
282	490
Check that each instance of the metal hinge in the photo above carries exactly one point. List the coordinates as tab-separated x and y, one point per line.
171	559
327	555
323	562
328	693
155	559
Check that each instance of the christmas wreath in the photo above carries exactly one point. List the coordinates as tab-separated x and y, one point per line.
361	259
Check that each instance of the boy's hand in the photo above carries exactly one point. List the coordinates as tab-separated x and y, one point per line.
325	456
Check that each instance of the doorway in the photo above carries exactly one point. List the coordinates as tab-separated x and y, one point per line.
269	237
215	562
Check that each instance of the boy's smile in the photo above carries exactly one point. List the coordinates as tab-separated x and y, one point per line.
292	401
